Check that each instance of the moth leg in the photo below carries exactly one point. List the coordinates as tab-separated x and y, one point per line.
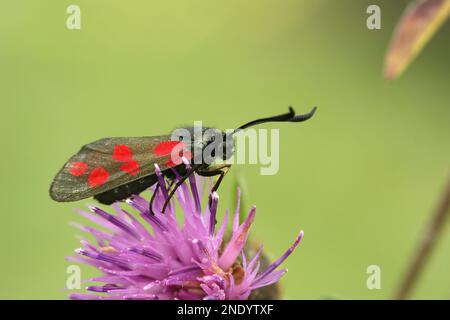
150	206
177	185
171	182
221	172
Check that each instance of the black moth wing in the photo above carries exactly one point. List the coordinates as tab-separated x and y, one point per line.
99	154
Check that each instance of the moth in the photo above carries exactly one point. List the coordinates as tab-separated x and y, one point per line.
114	169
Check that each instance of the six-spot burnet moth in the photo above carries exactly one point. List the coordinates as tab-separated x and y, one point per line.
113	169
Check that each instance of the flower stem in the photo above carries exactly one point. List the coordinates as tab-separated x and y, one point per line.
426	245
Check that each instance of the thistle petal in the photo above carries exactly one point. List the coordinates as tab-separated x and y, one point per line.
177	260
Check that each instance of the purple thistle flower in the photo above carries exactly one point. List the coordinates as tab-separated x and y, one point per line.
177	260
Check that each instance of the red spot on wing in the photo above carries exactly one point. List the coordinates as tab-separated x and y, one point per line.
78	168
122	153
173	148
177	160
132	167
98	177
165	147
170	163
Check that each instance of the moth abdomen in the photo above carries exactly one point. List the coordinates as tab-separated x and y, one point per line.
126	190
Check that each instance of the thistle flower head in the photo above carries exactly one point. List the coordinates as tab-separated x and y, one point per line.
161	257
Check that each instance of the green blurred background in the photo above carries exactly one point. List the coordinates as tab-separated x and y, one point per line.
360	178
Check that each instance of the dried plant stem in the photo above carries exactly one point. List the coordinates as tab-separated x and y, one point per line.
426	245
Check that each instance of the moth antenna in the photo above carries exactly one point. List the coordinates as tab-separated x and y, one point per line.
285	117
302	117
